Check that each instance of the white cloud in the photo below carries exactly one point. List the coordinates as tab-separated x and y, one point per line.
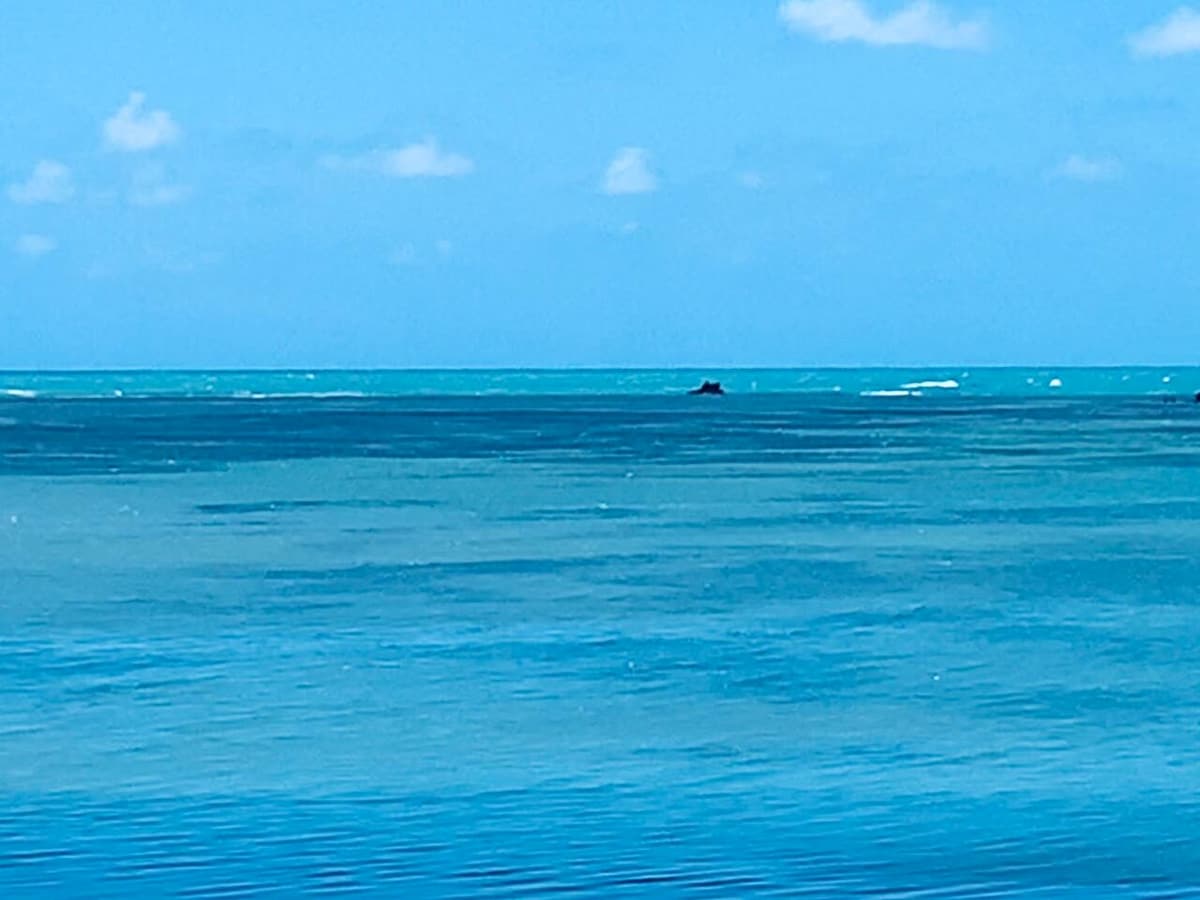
1178	33
424	159
152	188
751	180
920	22
1084	168
34	245
630	173
50	183
133	129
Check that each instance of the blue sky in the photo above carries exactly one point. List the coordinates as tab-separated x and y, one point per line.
817	182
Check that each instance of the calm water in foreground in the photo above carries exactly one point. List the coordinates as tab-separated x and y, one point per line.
811	644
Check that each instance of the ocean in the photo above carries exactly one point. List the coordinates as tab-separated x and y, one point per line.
841	633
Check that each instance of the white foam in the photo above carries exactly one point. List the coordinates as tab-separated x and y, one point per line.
301	395
1055	382
948	385
905	393
19	392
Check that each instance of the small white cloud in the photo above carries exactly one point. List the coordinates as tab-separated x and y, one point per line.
50	182
133	130
1084	168
424	159
1178	33
152	188
919	23
630	227
630	173
34	245
752	181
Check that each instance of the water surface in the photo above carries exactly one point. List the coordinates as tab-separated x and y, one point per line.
525	643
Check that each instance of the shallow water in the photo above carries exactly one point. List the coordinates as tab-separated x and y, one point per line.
817	645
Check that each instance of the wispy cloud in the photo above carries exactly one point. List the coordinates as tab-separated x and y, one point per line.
151	187
630	173
133	129
1178	33
424	159
1085	168
752	181
34	245
918	23
50	182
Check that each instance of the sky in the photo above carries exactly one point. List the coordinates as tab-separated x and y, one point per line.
619	183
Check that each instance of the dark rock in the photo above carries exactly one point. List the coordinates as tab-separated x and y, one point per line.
714	388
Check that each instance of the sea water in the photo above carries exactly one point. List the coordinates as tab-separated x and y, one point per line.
835	634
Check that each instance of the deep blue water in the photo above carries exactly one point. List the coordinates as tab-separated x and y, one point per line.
796	644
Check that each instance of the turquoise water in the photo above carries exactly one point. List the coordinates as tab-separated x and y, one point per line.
987	382
482	635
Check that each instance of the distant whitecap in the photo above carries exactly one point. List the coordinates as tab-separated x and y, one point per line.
1055	382
948	385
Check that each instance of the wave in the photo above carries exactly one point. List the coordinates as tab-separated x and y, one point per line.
948	385
296	395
